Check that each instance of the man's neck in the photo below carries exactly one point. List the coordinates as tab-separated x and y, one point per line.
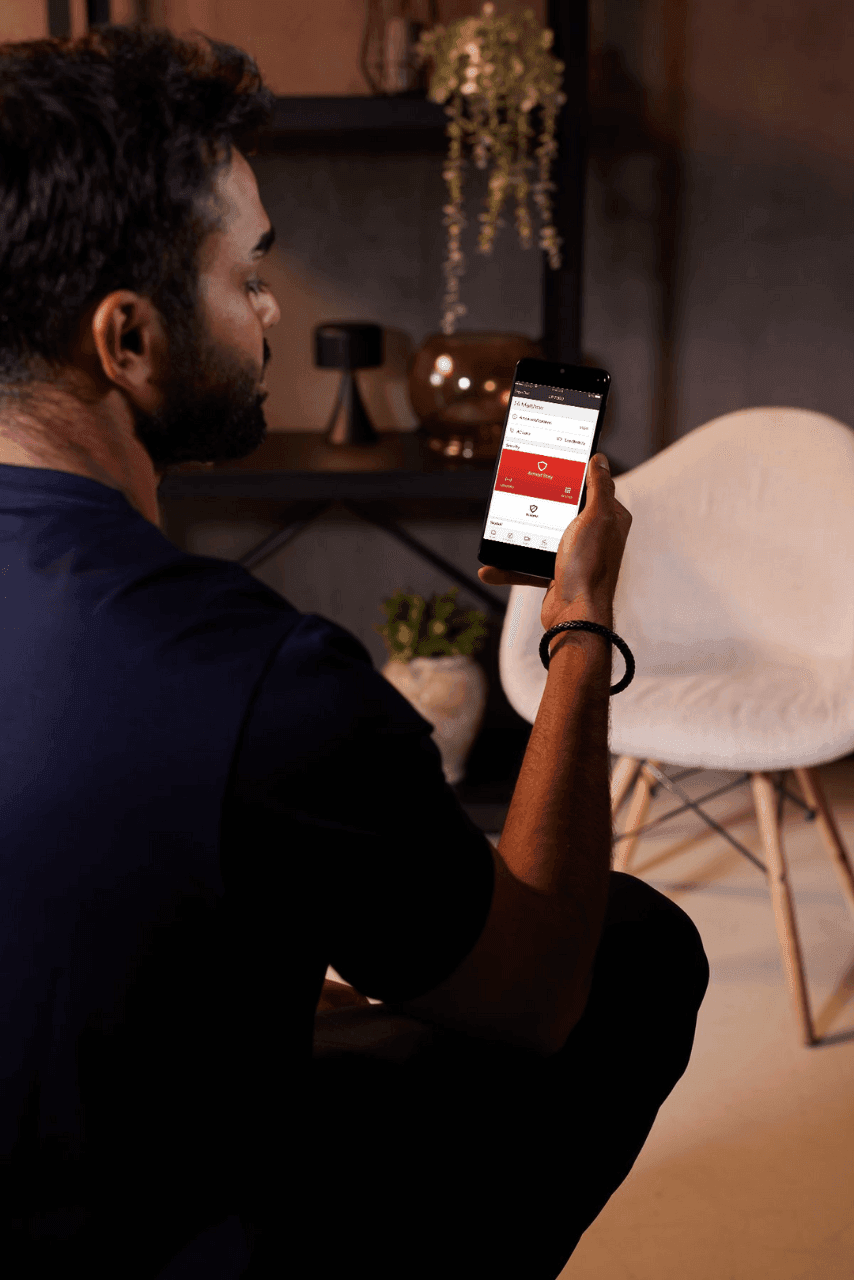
83	442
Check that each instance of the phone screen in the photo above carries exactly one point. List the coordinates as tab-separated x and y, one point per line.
550	433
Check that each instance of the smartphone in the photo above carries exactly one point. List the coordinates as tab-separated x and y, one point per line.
552	428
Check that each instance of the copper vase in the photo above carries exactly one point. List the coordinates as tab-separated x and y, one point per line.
459	387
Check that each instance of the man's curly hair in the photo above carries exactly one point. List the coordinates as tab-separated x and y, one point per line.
109	145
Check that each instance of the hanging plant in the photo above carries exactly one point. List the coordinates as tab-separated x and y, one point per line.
416	629
492	72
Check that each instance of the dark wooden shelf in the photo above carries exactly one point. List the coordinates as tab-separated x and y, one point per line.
407	123
290	466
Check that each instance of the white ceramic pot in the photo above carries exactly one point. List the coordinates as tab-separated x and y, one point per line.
450	692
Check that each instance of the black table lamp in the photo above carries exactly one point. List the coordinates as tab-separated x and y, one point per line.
349	346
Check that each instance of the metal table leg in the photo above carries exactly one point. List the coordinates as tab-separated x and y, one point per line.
275	541
376	516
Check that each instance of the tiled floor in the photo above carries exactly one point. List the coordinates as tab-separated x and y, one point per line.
748	1173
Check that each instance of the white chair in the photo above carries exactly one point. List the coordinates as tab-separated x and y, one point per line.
736	597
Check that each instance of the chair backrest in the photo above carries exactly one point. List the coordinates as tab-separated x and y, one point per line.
741	545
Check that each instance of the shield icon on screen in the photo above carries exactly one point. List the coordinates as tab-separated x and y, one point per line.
533	506
542	465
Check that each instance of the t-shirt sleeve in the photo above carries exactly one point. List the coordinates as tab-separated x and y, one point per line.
346	806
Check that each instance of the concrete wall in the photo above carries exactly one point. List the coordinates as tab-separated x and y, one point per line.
23	20
720	245
302	46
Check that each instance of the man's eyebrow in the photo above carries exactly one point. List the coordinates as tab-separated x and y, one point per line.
265	244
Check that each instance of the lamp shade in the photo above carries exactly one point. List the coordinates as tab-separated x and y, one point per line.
348	345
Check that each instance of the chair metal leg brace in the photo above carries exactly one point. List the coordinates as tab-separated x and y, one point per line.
682	808
624	776
649	767
627	769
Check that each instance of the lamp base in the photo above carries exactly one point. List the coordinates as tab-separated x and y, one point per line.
350	423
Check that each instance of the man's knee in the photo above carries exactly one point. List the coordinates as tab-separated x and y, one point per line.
659	929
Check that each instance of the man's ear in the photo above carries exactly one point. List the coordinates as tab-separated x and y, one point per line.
127	337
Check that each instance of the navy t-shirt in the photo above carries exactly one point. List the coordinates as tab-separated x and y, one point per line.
206	799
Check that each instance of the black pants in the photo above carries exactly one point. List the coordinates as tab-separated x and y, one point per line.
440	1155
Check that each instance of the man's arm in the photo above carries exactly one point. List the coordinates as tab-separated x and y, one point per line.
527	980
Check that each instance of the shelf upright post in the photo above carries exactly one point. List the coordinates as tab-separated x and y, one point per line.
562	289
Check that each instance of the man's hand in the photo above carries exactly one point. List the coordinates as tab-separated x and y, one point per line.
337	995
588	558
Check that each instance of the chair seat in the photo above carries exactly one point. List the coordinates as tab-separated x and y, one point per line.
750	714
710	704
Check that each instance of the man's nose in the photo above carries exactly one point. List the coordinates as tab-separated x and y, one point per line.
273	315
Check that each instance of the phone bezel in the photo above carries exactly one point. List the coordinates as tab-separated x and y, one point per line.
501	555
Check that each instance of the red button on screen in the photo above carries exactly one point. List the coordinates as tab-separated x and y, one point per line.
533	476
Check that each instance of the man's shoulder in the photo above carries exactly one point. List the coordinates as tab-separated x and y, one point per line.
321	671
321	664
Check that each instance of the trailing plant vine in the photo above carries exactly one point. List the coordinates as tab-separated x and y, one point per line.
492	71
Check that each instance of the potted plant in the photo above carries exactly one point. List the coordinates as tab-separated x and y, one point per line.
431	647
492	72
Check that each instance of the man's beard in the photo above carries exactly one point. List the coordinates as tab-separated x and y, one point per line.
212	408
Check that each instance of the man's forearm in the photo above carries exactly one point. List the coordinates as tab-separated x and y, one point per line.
557	835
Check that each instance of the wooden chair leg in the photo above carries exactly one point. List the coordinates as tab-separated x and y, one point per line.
764	799
635	817
624	774
813	793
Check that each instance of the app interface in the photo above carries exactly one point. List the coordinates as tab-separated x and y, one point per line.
542	466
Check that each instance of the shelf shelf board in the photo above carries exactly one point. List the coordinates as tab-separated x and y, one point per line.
407	122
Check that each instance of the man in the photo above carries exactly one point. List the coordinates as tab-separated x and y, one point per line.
207	798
